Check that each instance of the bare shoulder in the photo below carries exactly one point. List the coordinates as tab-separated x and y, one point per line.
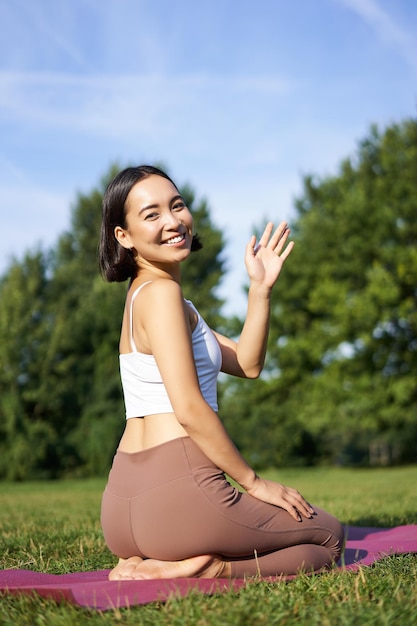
162	298
163	290
157	311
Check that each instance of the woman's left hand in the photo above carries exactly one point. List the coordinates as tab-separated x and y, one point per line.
265	260
277	494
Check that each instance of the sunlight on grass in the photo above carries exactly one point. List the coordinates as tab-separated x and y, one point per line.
54	527
361	497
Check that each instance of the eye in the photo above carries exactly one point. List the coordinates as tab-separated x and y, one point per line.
178	206
151	216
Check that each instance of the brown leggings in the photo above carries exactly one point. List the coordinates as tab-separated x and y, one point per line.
170	502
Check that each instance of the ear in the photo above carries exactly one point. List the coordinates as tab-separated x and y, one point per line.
122	237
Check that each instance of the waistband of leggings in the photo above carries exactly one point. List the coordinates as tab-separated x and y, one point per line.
135	472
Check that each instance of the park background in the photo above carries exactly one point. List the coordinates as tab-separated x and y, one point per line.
298	110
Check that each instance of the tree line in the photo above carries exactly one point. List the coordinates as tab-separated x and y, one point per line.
339	386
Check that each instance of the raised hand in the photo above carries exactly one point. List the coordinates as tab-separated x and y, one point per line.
264	260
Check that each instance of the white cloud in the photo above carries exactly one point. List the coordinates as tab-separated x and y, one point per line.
111	104
41	28
386	27
45	28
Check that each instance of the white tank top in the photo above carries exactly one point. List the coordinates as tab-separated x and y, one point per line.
143	388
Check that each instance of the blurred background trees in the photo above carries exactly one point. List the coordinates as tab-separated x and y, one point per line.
339	385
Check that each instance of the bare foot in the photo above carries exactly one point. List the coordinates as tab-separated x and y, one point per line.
204	566
125	568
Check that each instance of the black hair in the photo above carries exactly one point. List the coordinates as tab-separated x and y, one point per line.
116	262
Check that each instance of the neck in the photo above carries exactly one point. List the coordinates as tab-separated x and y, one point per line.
150	271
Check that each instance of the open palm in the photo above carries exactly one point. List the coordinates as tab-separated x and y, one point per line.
264	260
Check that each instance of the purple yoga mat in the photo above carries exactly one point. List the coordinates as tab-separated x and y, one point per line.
93	589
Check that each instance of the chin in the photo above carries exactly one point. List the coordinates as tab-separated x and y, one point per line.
185	253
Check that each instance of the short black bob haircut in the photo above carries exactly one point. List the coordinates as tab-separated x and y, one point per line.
117	263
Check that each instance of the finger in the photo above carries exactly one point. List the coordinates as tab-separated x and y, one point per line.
285	254
250	246
303	507
282	231
263	241
294	497
293	512
282	242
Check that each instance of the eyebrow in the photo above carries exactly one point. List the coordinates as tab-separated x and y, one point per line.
156	206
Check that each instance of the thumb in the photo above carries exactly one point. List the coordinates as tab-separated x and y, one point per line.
250	247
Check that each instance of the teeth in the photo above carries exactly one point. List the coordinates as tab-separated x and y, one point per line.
175	239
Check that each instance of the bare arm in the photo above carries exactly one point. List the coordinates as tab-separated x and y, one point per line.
264	263
166	326
167	330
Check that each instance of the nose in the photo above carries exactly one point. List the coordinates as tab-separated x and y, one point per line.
172	220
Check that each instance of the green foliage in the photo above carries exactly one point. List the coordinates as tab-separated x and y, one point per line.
61	406
25	431
343	344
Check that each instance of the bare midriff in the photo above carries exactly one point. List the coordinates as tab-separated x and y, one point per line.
149	431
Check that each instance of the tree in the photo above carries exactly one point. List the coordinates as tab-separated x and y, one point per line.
25	432
343	344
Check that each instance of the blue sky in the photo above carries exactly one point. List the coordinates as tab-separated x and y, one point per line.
239	98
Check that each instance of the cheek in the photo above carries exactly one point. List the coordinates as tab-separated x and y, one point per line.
145	231
189	221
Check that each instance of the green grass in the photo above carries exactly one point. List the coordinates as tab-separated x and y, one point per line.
54	527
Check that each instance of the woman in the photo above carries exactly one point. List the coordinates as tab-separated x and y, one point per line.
167	510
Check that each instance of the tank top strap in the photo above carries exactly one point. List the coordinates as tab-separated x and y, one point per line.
133	298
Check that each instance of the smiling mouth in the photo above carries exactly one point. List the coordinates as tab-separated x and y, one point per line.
174	240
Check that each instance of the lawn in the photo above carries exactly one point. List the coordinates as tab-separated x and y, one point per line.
54	527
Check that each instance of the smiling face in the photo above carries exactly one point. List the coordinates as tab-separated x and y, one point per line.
158	223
